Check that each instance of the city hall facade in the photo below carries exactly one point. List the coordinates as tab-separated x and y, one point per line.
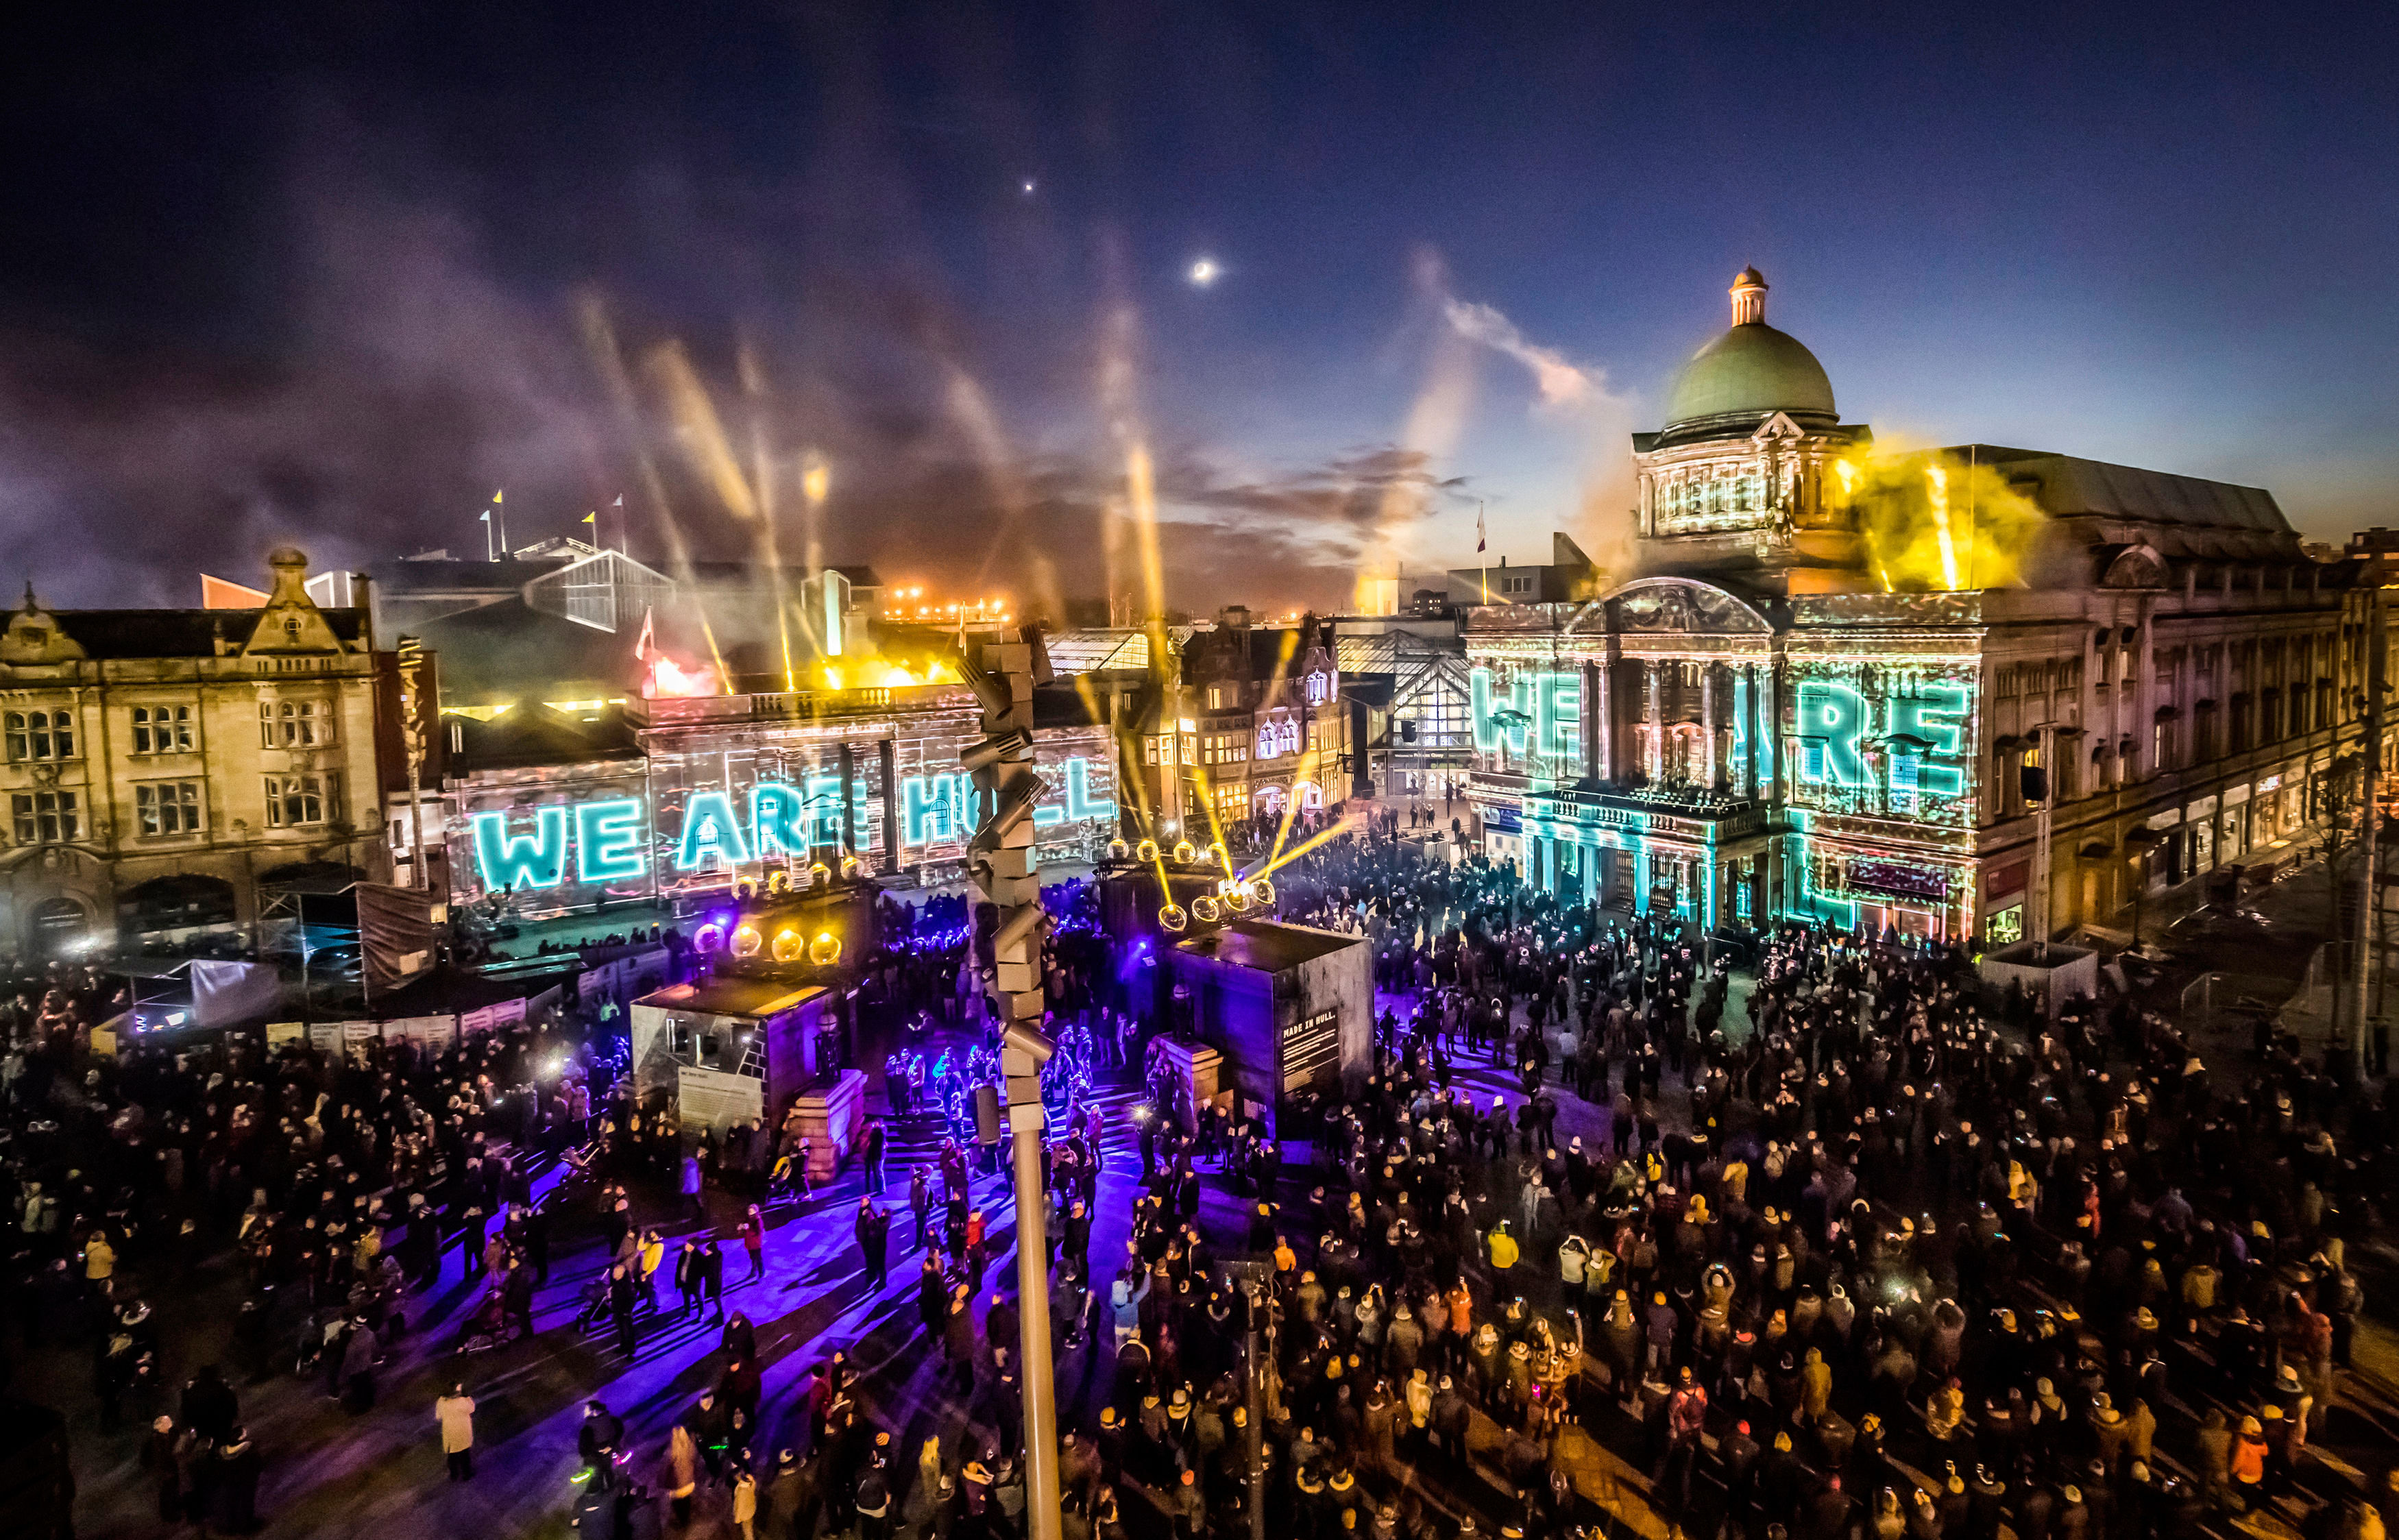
1818	700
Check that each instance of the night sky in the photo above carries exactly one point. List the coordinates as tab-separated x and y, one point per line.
332	275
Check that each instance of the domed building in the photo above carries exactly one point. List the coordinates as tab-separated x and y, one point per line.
1818	694
1741	479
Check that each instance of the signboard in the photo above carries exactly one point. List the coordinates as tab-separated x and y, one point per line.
1310	1046
490	1017
1899	879
432	1033
280	1032
620	844
714	1098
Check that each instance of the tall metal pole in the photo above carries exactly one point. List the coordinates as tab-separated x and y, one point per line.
2045	738
1025	1123
1257	1450
412	743
2369	785
1001	861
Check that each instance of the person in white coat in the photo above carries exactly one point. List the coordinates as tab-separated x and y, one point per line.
455	1412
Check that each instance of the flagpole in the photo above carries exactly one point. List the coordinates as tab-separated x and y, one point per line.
489	554
1482	543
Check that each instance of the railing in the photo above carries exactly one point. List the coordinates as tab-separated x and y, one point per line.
2215	1000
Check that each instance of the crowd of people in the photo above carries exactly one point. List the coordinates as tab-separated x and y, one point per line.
1859	1261
1844	1254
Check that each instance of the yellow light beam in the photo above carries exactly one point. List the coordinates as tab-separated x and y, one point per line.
599	338
1938	481
1343	826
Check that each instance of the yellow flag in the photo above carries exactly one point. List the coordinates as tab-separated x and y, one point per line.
496	497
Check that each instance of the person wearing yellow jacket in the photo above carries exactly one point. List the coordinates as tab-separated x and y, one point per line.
98	1261
1503	1248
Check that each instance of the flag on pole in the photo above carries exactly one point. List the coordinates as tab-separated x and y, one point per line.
497	497
593	518
1479	540
620	500
649	635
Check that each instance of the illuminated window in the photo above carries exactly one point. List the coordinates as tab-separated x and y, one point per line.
162	730
47	817
40	735
167	807
295	802
294	725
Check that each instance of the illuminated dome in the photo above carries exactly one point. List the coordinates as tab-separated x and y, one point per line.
1749	371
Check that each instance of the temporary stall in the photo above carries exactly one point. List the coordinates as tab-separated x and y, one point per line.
726	1048
1290	1008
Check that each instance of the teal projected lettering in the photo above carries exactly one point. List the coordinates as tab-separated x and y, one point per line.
1923	741
510	861
1557	720
779	819
1543	712
1935	719
1832	718
930	808
605	840
608	839
710	833
1080	803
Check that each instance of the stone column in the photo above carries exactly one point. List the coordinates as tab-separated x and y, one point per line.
1653	689
1750	731
1604	711
1595	721
1708	722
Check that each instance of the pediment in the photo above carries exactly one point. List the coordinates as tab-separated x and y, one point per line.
1682	605
1778	426
2136	567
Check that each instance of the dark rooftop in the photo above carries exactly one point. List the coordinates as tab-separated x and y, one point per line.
532	734
728	994
175	633
1267	946
510	651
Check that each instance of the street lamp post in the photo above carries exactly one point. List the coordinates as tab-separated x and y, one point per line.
2143	842
1001	861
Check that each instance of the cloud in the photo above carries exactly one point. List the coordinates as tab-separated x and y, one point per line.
402	363
1574	395
1561	381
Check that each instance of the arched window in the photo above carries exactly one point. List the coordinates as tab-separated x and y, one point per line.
40	735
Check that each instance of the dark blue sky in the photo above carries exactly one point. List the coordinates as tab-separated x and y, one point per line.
276	275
